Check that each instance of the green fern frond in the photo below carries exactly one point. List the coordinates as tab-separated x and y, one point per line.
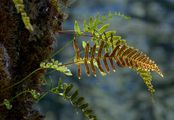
98	32
66	91
147	78
94	22
54	64
21	9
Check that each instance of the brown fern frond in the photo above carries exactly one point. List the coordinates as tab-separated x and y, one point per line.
131	57
122	54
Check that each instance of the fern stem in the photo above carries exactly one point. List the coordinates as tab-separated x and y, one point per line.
26	91
46	93
74	33
61	49
23	79
1	104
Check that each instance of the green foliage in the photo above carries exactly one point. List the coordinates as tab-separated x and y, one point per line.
115	49
97	28
103	28
107	47
66	91
77	28
21	9
35	94
7	104
54	64
146	76
93	23
119	14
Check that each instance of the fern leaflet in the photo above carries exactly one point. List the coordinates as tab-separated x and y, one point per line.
66	91
54	64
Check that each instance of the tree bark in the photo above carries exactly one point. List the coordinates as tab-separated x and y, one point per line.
22	51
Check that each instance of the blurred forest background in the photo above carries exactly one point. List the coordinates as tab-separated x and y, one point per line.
121	95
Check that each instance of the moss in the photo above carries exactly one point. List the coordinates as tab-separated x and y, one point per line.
26	50
5	80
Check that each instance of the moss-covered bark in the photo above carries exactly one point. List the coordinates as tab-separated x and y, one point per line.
22	51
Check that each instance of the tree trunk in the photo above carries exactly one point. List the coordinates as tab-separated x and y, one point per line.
22	51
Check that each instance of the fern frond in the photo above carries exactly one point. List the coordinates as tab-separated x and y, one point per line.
19	4
100	34
147	78
66	91
94	22
122	54
54	64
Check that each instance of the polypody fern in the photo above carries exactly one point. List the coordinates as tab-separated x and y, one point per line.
115	50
